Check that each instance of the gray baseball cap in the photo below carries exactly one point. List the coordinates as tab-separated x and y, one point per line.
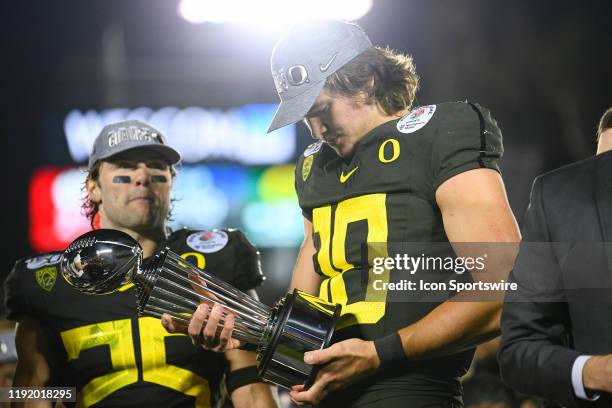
127	135
304	57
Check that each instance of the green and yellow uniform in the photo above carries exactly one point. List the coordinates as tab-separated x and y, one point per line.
113	357
385	193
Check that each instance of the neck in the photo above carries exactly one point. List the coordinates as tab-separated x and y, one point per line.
605	142
383	117
147	239
380	117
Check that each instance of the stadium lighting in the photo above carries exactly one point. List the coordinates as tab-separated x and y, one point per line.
268	12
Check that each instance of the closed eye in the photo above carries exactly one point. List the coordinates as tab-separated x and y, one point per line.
318	111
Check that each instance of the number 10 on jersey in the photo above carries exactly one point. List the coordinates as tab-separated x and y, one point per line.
331	225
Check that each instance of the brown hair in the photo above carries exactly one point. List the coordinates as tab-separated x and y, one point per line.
385	76
605	122
90	208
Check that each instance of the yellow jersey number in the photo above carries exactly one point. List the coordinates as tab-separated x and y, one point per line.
117	334
331	255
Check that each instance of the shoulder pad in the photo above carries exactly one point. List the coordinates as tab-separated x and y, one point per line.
247	267
29	278
39	261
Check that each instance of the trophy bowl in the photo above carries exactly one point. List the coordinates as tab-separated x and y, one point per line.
101	261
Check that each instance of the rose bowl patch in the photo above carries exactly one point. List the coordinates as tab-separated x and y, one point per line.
416	119
208	241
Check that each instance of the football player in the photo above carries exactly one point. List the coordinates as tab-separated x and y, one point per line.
383	173
98	343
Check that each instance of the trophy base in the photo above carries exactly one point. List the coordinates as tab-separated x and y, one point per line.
299	323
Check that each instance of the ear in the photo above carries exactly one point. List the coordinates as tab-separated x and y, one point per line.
93	191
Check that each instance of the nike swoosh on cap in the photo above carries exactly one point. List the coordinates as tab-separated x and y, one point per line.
325	67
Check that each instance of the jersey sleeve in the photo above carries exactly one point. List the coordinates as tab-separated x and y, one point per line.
247	265
467	138
16	298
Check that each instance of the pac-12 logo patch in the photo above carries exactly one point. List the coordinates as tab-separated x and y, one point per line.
46	277
208	241
416	119
306	166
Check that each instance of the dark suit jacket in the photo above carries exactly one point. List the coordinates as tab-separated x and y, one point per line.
563	307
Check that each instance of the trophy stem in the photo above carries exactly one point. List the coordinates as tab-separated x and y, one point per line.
178	262
169	305
237	333
236	311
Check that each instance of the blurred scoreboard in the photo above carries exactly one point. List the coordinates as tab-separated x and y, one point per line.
233	175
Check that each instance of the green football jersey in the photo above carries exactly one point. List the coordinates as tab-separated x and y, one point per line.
115	358
383	194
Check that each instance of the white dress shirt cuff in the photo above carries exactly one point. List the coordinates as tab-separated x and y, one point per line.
577	383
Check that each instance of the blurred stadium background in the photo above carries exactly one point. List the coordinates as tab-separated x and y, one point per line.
199	71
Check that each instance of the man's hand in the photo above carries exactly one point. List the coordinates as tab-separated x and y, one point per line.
343	363
597	373
203	327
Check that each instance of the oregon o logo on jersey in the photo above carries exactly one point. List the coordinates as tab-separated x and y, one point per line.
396	151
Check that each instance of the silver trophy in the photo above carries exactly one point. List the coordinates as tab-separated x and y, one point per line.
101	261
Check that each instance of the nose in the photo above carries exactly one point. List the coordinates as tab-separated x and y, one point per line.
316	126
142	175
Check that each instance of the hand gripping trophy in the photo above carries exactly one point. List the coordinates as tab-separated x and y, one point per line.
101	261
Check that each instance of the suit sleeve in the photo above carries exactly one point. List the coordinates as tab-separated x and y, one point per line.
534	357
467	138
247	265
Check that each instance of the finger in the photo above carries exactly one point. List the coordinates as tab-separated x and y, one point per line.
231	345
320	356
226	332
304	397
167	323
210	329
235	343
197	321
198	284
311	396
171	325
294	402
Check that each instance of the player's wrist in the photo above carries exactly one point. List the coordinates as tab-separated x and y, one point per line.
389	350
